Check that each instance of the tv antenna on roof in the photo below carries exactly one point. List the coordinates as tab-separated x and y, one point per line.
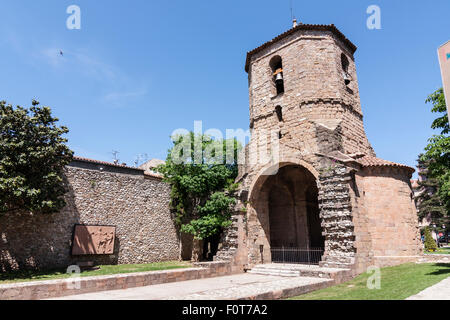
293	19
115	153
140	158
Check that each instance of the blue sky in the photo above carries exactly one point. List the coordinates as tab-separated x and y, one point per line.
137	70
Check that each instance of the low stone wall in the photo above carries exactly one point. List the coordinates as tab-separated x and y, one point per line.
436	258
67	287
98	194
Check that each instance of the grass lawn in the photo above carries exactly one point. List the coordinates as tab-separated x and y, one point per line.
25	276
445	250
397	283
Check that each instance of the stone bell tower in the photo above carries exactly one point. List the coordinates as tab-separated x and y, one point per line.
307	75
323	189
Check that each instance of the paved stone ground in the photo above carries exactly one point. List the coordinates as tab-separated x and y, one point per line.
233	287
440	291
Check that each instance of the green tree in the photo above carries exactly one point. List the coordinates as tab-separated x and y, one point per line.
429	203
32	156
438	156
437	152
430	244
201	172
437	99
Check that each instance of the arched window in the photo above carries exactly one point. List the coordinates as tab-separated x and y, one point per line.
276	65
345	64
279	112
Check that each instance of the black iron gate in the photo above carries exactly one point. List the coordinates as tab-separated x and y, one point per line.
297	255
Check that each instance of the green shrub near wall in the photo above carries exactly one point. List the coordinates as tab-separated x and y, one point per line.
430	244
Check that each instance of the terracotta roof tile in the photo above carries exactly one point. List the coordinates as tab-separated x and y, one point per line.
105	163
368	161
320	27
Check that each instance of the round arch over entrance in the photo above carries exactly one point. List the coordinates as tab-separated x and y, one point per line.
287	209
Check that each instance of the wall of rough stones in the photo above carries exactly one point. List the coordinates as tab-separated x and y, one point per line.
336	213
99	194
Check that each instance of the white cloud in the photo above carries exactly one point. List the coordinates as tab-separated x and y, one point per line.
119	95
79	61
115	87
120	89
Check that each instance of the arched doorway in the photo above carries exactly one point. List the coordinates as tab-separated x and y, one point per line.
288	210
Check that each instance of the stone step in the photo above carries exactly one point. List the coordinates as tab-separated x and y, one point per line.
222	259
298	270
227	247
337	264
227	252
281	273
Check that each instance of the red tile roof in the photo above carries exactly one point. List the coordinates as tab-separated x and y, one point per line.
105	163
368	161
111	164
319	27
153	175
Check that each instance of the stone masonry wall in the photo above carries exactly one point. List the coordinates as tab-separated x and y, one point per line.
136	204
363	237
337	216
392	216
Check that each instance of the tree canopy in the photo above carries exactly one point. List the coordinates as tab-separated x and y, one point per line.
201	172
437	99
430	203
33	153
436	161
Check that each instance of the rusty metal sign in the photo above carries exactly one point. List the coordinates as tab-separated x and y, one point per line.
93	240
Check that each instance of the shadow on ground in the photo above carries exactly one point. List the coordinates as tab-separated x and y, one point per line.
18	276
441	271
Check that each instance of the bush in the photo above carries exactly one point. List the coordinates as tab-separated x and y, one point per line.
202	181
430	244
